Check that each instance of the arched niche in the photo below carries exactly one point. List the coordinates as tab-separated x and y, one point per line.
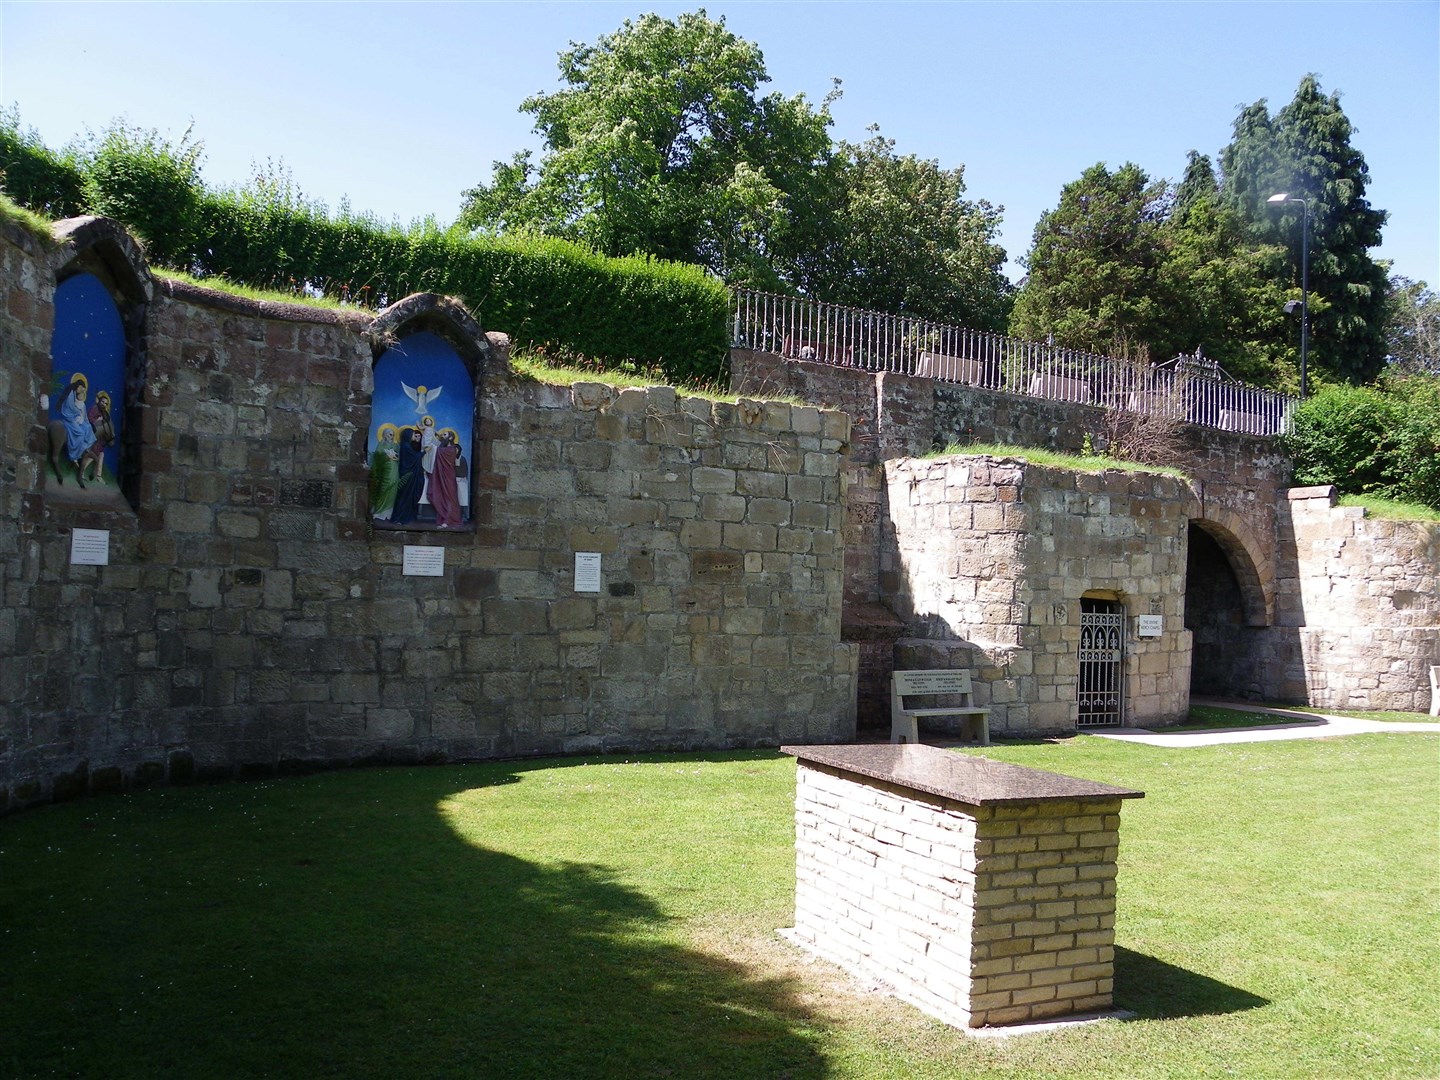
92	419
429	359
1234	539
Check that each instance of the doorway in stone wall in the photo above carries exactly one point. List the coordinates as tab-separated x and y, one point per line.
1102	662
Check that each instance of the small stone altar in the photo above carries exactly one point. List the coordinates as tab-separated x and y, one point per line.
983	892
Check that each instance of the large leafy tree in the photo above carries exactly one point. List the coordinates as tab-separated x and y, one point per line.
1093	265
1304	150
1119	264
899	235
1221	294
1412	326
661	143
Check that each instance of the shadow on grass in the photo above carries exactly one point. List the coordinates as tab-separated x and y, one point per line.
1155	990
325	928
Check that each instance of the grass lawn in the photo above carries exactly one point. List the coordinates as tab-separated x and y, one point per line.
1219	718
609	918
1392	715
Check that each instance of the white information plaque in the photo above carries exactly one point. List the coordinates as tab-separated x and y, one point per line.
587	571
424	561
1149	625
90	547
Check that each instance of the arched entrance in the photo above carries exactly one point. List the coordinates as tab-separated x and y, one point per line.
1225	611
1100	690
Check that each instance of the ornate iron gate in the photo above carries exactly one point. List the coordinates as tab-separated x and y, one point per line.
1102	654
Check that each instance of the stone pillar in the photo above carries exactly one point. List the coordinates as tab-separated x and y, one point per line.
984	893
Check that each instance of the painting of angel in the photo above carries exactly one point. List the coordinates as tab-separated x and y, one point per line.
420	437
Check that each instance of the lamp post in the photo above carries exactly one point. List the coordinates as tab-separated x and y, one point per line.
1284	197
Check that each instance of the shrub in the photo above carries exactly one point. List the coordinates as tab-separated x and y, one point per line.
1414	439
35	177
549	295
152	186
1373	440
1336	439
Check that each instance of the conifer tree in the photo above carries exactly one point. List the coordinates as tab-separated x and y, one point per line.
1092	267
1305	151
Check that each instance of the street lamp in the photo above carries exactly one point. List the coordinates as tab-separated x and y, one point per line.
1285	197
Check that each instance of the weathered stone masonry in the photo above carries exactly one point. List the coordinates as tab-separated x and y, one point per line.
1365	599
991	557
1283	603
251	621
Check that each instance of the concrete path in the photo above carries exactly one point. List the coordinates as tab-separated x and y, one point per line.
1289	725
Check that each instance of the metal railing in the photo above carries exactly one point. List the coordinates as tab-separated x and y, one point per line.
1192	388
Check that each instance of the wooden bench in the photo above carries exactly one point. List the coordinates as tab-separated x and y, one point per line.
1435	689
905	722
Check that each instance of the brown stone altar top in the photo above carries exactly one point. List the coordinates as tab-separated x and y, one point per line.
975	781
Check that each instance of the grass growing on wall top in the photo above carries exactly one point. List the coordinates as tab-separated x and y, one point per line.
35	224
1090	463
223	285
1390	508
616	918
538	367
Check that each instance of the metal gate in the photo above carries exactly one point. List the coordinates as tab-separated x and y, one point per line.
1102	653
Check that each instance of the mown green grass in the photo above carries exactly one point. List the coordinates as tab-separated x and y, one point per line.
613	918
1391	715
1219	718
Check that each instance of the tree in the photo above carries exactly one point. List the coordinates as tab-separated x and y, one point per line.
1198	184
660	144
903	238
1221	294
1412	325
1093	264
1305	151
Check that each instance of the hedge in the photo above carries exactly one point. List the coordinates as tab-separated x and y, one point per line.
548	294
1373	440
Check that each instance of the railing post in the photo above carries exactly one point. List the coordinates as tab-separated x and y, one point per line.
874	341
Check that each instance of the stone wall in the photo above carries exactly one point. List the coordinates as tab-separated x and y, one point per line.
1258	592
251	620
990	559
1364	594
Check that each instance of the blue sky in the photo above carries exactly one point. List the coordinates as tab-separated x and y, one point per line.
401	107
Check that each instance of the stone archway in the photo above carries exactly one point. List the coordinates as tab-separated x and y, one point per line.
1249	562
1227	605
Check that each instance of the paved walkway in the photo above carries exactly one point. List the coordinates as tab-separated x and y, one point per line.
1289	725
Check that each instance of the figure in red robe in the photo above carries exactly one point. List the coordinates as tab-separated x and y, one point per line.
444	491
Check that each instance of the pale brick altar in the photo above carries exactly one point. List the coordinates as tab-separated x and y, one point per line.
983	892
